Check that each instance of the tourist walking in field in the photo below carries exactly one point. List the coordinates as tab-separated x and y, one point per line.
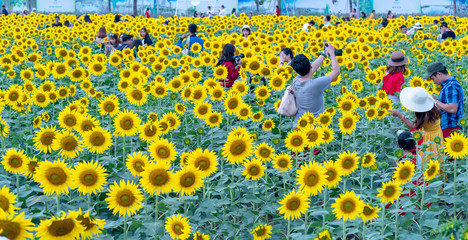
394	78
450	101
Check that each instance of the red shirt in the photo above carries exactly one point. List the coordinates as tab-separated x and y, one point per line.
233	74
392	83
278	12
147	14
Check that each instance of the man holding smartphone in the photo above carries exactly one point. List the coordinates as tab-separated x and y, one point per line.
309	90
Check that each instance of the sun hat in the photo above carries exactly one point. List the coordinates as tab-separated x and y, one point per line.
246	27
433	68
416	99
418	26
397	59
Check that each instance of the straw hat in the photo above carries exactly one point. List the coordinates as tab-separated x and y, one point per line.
397	59
416	99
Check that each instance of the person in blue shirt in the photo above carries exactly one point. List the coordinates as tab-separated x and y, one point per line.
450	101
191	37
127	41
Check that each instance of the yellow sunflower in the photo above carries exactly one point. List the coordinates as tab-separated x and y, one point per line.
368	159
178	227
456	146
65	227
347	206
109	106
136	163
200	236
44	138
237	148
282	161
268	125
348	123
347	162
389	192
296	141
89	177
311	178
404	172
232	103
293	205
314	136
93	226
16	226
264	152
205	161
214	119
97	140
7	199
54	177
254	169
149	131
162	150
68	119
68	144
261	232
15	161
126	123
157	179
124	198
432	169
332	173
369	213
188	180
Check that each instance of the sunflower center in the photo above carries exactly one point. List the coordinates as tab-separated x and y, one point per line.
126	123
431	170
232	104
150	130
68	143
88	177
87	125
163	152
331	175
125	198
404	173
47	138
293	203
60	228
348	163
97	139
159	177
187	179
86	222
109	107
367	210
265	153
254	170
311	179
4	203
347	123
283	163
457	146
56	176
138	166
260	231
11	230
389	191
348	206
15	161
202	163
296	141
178	229
238	147
70	120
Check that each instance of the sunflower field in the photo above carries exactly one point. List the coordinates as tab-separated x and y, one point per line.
148	145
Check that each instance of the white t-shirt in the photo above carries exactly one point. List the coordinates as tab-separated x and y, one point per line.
222	12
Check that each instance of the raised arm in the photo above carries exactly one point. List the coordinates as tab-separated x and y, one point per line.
335	67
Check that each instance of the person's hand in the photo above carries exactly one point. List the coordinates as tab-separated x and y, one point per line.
185	35
239	63
435	98
330	49
395	113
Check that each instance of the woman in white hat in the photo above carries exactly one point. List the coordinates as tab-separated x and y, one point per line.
393	79
427	115
246	31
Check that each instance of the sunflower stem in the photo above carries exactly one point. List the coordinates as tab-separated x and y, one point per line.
123	154
17	187
362	178
89	202
156	210
396	217
422	204
454	186
125	227
382	231
58	204
324	205
306	219
288	231
344	230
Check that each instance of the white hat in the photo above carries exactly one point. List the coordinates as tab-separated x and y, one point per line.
246	27
418	26
416	99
